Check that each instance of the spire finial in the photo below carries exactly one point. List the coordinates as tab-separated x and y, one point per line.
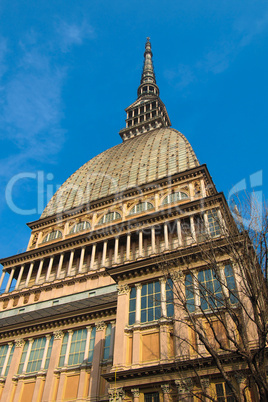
148	75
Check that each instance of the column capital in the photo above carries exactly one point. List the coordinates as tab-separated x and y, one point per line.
135	392
48	336
123	289
58	334
100	326
205	382
177	275
163	279
116	394
138	285
30	340
184	385
240	378
70	331
19	342
165	388
10	343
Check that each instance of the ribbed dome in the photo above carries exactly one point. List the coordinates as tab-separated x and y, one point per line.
135	162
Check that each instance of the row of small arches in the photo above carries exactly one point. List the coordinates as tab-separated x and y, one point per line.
112	216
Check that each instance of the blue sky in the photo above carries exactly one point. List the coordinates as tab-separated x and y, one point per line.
68	69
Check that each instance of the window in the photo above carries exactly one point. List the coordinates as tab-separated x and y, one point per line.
107	343
151	302
213	223
111	216
132	306
77	347
3	353
151	397
56	234
189	293
209	289
79	227
224	393
141	207
36	355
174	197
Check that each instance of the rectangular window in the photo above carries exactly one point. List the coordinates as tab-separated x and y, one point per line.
169	298
224	393
150	302
209	289
132	306
107	343
36	355
78	345
151	397
3	353
230	281
189	293
213	223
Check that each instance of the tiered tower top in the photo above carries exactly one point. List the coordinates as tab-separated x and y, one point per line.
148	112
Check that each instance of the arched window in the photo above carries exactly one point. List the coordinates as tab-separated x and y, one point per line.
56	234
141	207
111	216
174	197
79	227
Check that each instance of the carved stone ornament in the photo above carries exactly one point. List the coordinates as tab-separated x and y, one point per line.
100	326
240	377
205	382
177	275
123	289
116	394
184	386
19	343
165	388
135	392
58	334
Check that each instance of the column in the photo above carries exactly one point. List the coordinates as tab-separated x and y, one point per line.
112	341
70	263
30	340
205	383
140	243
192	228
122	318
48	337
136	394
166	390
104	252
222	225
70	332
128	246
166	235
153	239
179	233
206	224
53	363
10	344
19	277
29	274
39	271
163	297
15	361
2	278
203	188
92	260
10	280
89	329
95	368
116	246
138	303
60	265
49	268
81	261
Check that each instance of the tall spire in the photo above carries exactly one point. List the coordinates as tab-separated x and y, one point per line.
148	112
148	75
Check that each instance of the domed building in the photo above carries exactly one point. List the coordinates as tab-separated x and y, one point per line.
93	315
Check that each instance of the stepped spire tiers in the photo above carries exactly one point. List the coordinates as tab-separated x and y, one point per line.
148	112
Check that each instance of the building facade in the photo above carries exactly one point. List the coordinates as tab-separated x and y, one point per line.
89	311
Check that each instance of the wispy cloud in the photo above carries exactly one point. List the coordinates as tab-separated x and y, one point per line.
73	34
222	54
31	94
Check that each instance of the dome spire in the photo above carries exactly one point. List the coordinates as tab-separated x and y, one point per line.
148	112
148	75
